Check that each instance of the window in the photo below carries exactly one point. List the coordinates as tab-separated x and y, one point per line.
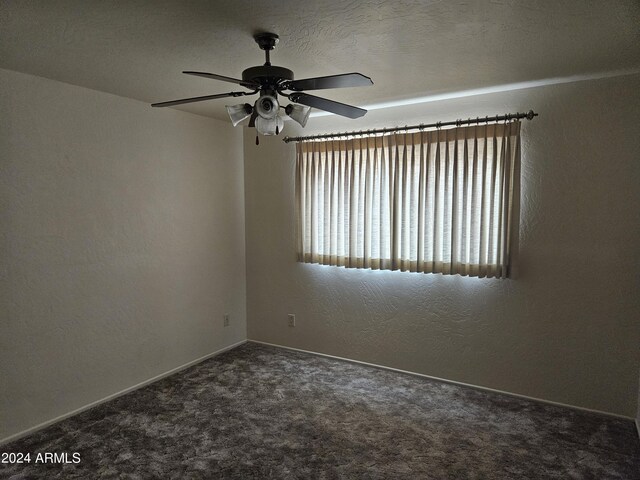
441	201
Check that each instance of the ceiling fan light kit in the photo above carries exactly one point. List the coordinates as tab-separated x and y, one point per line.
269	126
238	113
267	106
299	113
266	114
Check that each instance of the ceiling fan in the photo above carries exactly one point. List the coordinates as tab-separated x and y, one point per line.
270	81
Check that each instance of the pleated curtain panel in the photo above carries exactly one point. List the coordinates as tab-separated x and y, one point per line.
441	201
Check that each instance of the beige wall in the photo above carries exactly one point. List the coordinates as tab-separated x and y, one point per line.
122	245
565	330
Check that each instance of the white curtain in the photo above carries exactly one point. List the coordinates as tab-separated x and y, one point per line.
442	201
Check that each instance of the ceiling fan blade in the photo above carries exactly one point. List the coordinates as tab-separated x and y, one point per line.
331	81
224	79
198	99
327	105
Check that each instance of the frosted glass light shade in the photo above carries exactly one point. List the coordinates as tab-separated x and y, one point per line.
268	126
238	113
267	106
299	113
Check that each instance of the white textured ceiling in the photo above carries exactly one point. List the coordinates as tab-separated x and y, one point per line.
138	48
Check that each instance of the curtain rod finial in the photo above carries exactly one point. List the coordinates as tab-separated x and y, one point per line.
531	114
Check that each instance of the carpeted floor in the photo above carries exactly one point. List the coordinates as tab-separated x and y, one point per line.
262	412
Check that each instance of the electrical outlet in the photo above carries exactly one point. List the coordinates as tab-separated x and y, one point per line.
292	320
226	319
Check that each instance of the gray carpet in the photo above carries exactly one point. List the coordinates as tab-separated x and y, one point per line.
262	412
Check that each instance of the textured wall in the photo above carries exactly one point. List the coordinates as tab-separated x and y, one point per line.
565	330
122	244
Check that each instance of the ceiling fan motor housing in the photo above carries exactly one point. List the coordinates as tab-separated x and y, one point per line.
270	75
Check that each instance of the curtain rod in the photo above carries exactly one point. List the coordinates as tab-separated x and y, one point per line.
497	118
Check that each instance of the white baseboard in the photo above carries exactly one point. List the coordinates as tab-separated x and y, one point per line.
59	418
454	382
